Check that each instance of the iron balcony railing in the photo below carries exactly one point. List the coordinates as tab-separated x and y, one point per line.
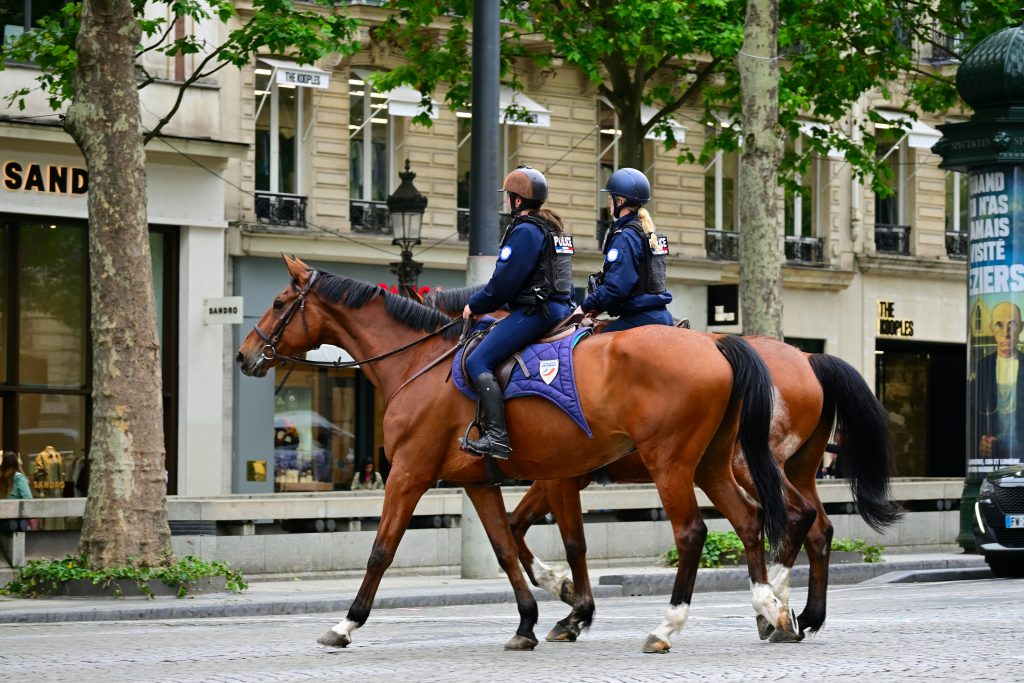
274	208
946	47
892	239
804	250
369	217
722	245
956	245
462	223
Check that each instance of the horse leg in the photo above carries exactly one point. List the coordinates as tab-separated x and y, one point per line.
690	531
490	506
400	498
534	506
818	545
564	499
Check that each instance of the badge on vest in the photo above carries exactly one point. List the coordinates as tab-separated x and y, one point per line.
563	244
505	253
659	245
548	370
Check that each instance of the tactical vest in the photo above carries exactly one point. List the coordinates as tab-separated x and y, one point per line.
651	273
551	279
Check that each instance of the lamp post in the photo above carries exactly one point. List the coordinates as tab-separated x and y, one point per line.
405	208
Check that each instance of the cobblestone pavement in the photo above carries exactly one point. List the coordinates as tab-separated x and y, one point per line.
967	630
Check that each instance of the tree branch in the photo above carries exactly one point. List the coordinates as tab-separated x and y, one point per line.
160	42
196	75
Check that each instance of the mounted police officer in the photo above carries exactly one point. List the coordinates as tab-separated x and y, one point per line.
632	283
533	276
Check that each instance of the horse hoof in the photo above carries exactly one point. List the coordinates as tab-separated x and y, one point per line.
519	642
332	639
764	628
656	645
563	634
785	637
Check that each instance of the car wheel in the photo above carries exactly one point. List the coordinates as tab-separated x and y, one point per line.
1005	568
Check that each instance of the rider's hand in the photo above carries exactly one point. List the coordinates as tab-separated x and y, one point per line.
466	313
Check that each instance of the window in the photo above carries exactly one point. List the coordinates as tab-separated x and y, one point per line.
45	354
800	203
279	111
18	16
370	141
508	155
956	202
890	150
721	211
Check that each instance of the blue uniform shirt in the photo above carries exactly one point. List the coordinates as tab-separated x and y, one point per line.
623	261
517	259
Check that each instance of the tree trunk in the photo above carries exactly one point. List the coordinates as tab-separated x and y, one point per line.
631	144
760	270
125	514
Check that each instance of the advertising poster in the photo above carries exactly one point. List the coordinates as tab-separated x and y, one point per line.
995	299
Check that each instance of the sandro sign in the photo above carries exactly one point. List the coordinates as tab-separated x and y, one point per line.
16	176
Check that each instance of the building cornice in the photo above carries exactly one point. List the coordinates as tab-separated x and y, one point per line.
912	266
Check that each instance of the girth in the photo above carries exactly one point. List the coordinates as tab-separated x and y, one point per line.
562	329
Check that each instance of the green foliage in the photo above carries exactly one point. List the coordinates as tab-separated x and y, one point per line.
725	547
41	577
307	31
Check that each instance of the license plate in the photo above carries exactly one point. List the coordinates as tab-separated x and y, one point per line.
1015	521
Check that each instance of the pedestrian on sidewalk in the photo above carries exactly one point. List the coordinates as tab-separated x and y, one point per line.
13	484
367	480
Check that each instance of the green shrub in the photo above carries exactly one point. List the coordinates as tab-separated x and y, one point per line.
40	577
726	546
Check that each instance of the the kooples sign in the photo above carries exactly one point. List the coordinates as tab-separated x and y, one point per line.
17	176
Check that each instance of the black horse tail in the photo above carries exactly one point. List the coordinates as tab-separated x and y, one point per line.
862	428
752	384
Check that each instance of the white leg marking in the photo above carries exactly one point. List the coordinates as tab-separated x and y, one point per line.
778	577
345	628
765	603
675	619
547	577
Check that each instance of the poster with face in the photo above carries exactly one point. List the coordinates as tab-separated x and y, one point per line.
995	298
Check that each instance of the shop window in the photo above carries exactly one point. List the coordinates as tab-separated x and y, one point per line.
315	426
45	356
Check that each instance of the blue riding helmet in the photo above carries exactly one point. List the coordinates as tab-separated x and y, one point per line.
631	185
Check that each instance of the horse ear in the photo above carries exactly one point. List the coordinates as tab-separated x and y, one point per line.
297	269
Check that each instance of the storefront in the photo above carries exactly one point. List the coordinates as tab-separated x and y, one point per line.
45	362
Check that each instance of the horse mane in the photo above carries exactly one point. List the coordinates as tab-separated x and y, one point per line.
355	294
452	301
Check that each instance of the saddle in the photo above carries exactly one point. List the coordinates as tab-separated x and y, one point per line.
562	329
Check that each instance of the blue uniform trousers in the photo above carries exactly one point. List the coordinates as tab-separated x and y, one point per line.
512	334
658	316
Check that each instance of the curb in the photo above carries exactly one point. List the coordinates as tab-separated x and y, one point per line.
617	585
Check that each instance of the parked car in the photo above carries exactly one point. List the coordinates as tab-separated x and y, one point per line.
999	521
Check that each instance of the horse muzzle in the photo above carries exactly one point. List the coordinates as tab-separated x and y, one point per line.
255	365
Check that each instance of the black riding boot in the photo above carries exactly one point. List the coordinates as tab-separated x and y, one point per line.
493	439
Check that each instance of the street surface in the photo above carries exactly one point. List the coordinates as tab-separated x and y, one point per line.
968	630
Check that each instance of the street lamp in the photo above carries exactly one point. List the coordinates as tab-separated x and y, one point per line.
405	208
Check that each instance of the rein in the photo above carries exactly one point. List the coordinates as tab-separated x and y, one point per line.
269	351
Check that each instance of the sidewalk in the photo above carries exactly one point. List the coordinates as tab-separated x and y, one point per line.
280	597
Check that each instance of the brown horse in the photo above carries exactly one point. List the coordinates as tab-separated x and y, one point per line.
814	393
720	390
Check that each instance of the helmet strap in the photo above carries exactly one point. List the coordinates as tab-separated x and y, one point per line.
618	208
512	208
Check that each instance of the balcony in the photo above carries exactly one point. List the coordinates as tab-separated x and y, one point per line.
722	245
369	217
806	251
946	48
462	223
281	209
892	239
956	245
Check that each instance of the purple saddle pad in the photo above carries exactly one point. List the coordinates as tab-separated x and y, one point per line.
551	376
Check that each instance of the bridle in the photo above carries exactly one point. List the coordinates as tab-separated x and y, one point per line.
269	352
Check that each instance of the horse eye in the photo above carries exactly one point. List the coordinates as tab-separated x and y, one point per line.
278	304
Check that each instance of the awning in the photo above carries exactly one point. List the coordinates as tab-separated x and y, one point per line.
920	135
328	354
678	129
402	101
302	76
507	97
808	127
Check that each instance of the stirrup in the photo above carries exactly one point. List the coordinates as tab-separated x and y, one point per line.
494	449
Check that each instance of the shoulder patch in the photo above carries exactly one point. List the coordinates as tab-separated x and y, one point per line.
506	252
613	255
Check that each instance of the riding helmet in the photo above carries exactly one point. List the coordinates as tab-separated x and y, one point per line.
528	183
631	185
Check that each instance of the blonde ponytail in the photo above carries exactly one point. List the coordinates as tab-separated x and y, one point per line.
647	223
